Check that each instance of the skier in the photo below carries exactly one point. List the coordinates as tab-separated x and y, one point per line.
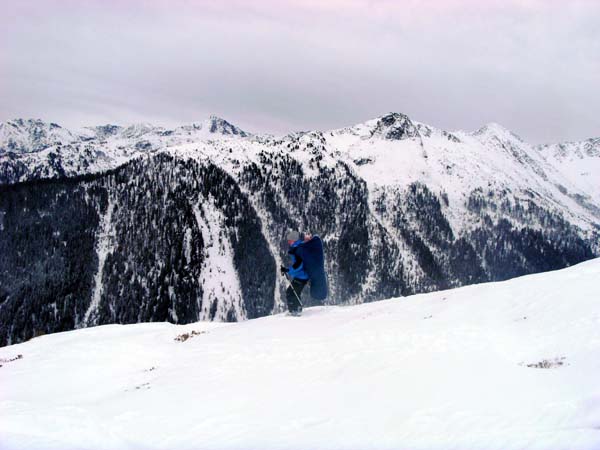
306	252
296	274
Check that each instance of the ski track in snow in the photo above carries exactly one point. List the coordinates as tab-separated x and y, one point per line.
453	369
218	277
103	248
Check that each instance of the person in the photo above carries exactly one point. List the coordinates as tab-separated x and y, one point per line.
296	272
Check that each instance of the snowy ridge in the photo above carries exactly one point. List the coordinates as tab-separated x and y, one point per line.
27	136
507	365
391	150
579	162
32	149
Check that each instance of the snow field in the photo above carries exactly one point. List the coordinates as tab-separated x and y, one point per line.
445	370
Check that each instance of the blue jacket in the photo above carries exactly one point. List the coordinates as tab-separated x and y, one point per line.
297	270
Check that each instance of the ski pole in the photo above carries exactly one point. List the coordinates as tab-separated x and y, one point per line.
295	293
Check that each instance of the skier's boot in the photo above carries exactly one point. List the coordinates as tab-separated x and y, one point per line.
297	312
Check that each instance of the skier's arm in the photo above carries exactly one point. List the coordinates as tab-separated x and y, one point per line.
297	263
296	257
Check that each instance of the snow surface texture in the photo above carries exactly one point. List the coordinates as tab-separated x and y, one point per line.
509	365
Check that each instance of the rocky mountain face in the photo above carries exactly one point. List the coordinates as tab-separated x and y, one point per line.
128	224
28	136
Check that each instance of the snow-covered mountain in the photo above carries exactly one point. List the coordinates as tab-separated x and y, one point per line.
491	159
143	223
391	149
33	150
29	136
579	162
510	365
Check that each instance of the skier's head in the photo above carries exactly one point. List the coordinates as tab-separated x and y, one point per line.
293	236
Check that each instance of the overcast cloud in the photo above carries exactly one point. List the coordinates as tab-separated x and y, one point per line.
278	66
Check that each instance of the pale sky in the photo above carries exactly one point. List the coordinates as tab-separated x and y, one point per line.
279	66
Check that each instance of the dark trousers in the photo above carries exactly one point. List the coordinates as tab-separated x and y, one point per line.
292	301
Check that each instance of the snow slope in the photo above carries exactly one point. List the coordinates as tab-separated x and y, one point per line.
510	365
578	161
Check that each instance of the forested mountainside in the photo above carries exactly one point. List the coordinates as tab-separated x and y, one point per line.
124	225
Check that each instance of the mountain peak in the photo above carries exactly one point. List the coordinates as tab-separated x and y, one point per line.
216	125
138	129
395	126
31	135
109	129
219	125
29	124
497	130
